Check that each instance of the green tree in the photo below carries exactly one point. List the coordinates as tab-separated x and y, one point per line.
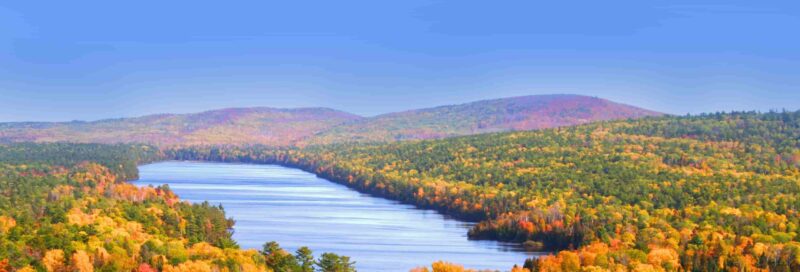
330	262
278	259
305	259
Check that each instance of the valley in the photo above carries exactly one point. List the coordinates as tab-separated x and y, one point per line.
702	192
299	209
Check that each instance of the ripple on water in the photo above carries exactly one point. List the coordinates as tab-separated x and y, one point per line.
297	208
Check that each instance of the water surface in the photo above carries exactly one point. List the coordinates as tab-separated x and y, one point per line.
297	208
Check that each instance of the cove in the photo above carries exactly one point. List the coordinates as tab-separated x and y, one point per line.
297	208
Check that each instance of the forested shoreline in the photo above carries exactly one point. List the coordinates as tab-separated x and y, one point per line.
702	193
693	193
67	207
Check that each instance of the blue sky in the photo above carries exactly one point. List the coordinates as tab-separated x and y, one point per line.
103	59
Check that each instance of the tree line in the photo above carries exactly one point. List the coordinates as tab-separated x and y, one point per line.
67	207
702	193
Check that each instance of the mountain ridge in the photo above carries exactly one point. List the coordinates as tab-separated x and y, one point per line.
154	115
320	125
493	115
223	126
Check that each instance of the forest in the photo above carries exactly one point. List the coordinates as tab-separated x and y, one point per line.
710	192
67	207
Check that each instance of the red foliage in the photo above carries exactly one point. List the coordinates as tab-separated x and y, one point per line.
4	266
145	268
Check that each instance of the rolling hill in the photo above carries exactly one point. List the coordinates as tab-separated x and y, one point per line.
505	114
269	126
304	126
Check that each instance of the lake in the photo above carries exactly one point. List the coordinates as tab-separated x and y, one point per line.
297	208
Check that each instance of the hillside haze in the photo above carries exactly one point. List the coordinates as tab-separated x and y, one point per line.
269	126
505	114
303	126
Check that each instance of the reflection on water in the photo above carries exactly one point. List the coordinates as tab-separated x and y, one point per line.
296	208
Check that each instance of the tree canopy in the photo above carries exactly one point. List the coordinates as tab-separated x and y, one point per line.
701	193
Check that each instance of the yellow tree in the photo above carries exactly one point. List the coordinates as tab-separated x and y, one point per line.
81	262
54	260
441	266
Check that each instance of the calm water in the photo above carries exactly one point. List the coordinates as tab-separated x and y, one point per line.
296	208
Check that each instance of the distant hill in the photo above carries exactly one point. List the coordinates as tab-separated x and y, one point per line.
284	127
269	126
506	114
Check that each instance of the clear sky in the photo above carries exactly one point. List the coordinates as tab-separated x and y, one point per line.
64	60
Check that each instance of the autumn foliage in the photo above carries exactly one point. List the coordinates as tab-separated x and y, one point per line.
701	193
94	222
80	216
715	192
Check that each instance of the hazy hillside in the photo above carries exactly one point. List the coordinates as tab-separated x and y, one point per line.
282	127
268	126
506	114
